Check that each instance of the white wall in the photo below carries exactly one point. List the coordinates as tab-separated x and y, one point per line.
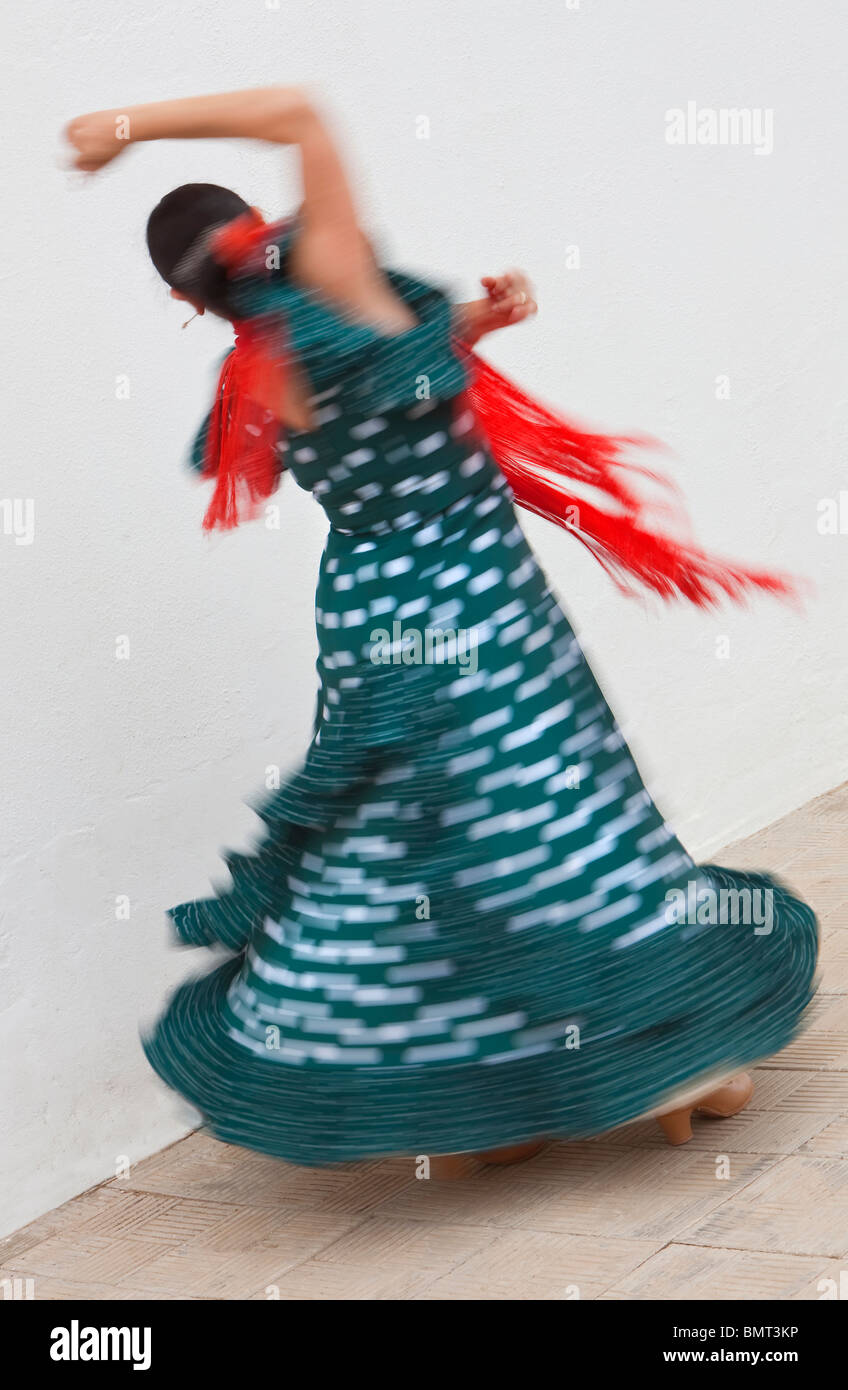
547	129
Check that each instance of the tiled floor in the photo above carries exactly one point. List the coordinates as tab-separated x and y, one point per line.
753	1207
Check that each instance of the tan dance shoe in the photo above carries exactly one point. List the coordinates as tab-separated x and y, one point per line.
719	1104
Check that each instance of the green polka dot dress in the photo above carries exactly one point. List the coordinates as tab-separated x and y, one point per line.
464	923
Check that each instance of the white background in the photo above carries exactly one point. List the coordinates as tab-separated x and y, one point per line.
547	130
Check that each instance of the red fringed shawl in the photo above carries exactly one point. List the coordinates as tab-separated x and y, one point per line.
547	460
242	439
544	456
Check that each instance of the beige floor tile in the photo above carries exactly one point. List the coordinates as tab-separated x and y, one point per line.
830	1014
114	1213
760	1131
185	1220
799	1207
319	1281
831	1142
571	1165
45	1288
647	1197
639	1134
814	1052
774	1088
71	1214
819	1093
408	1245
834	917
538	1265
479	1201
338	1190
294	1233
305	1235
699	1272
190	1270
829	1284
822	877
234	1176
834	948
88	1259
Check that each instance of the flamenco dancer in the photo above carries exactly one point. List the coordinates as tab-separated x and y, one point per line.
465	928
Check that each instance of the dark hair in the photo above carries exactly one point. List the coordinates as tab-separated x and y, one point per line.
175	225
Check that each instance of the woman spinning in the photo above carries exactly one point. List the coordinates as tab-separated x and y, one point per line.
465	927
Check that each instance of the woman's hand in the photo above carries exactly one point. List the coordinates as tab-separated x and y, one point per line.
509	299
97	139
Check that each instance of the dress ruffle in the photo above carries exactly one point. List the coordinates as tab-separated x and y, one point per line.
391	707
713	1025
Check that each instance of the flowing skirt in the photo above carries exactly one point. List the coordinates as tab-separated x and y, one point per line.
465	923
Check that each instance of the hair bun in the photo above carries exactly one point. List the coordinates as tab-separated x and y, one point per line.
235	244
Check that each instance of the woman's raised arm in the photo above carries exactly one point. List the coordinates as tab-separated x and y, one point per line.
331	251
